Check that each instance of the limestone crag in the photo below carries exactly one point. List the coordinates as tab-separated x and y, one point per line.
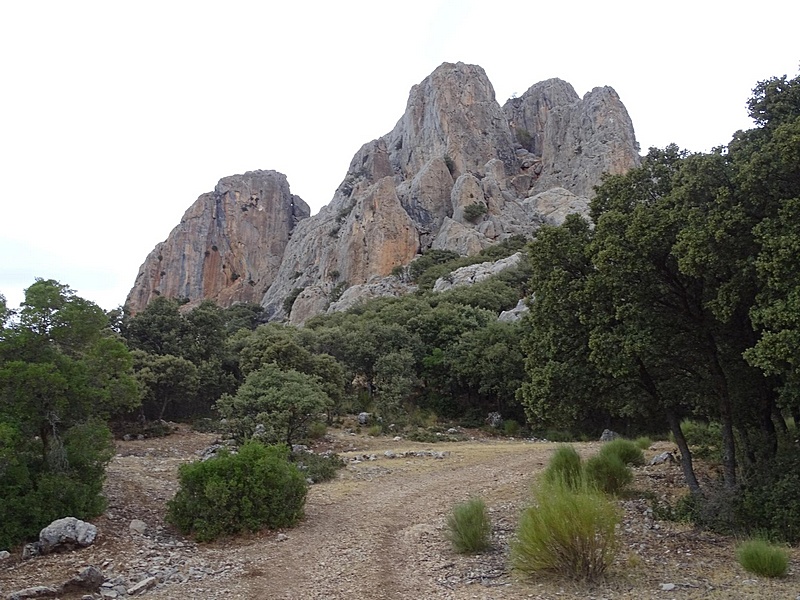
457	172
475	273
572	140
228	245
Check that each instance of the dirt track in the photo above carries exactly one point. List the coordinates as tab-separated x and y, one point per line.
377	532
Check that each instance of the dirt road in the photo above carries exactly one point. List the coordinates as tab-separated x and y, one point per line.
378	532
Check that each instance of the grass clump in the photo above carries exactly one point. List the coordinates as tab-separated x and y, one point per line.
643	442
256	488
627	451
568	532
565	465
759	557
608	473
468	527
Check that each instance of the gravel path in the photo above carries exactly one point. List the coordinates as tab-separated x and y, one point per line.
377	532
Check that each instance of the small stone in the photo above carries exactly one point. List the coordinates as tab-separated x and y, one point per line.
31	550
281	537
667	587
90	579
5	554
39	591
143	585
662	458
389	454
138	526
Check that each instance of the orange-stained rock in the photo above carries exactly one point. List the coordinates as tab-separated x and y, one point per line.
228	245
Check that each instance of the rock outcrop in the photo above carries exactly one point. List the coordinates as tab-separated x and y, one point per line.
458	172
228	245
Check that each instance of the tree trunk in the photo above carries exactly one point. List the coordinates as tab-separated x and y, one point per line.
686	455
720	382
675	427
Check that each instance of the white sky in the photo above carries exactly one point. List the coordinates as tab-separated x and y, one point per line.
115	117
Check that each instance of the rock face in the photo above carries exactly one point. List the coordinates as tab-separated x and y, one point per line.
458	172
228	245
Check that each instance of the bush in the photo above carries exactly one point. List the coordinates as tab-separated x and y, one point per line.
628	452
468	527
643	442
608	473
762	558
704	439
35	492
256	488
565	465
317	430
570	532
318	467
768	498
511	428
472	212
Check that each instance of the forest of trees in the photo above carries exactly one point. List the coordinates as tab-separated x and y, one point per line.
681	299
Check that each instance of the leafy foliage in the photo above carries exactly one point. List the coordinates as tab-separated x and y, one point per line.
468	527
317	467
474	211
256	488
283	402
63	373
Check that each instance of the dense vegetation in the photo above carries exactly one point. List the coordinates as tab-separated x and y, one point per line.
679	301
682	300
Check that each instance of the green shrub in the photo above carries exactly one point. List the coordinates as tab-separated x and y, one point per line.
768	498
317	430
565	465
288	301
472	212
643	442
608	473
251	490
569	532
318	467
468	527
511	428
35	492
762	558
628	452
704	439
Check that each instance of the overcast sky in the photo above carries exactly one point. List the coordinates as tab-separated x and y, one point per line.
115	117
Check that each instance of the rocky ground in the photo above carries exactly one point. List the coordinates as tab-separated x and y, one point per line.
377	532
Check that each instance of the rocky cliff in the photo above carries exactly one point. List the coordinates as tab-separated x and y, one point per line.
457	172
228	245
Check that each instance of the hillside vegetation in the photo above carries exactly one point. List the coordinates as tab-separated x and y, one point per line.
679	301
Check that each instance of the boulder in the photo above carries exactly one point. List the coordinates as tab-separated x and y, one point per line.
66	534
609	435
516	313
475	273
